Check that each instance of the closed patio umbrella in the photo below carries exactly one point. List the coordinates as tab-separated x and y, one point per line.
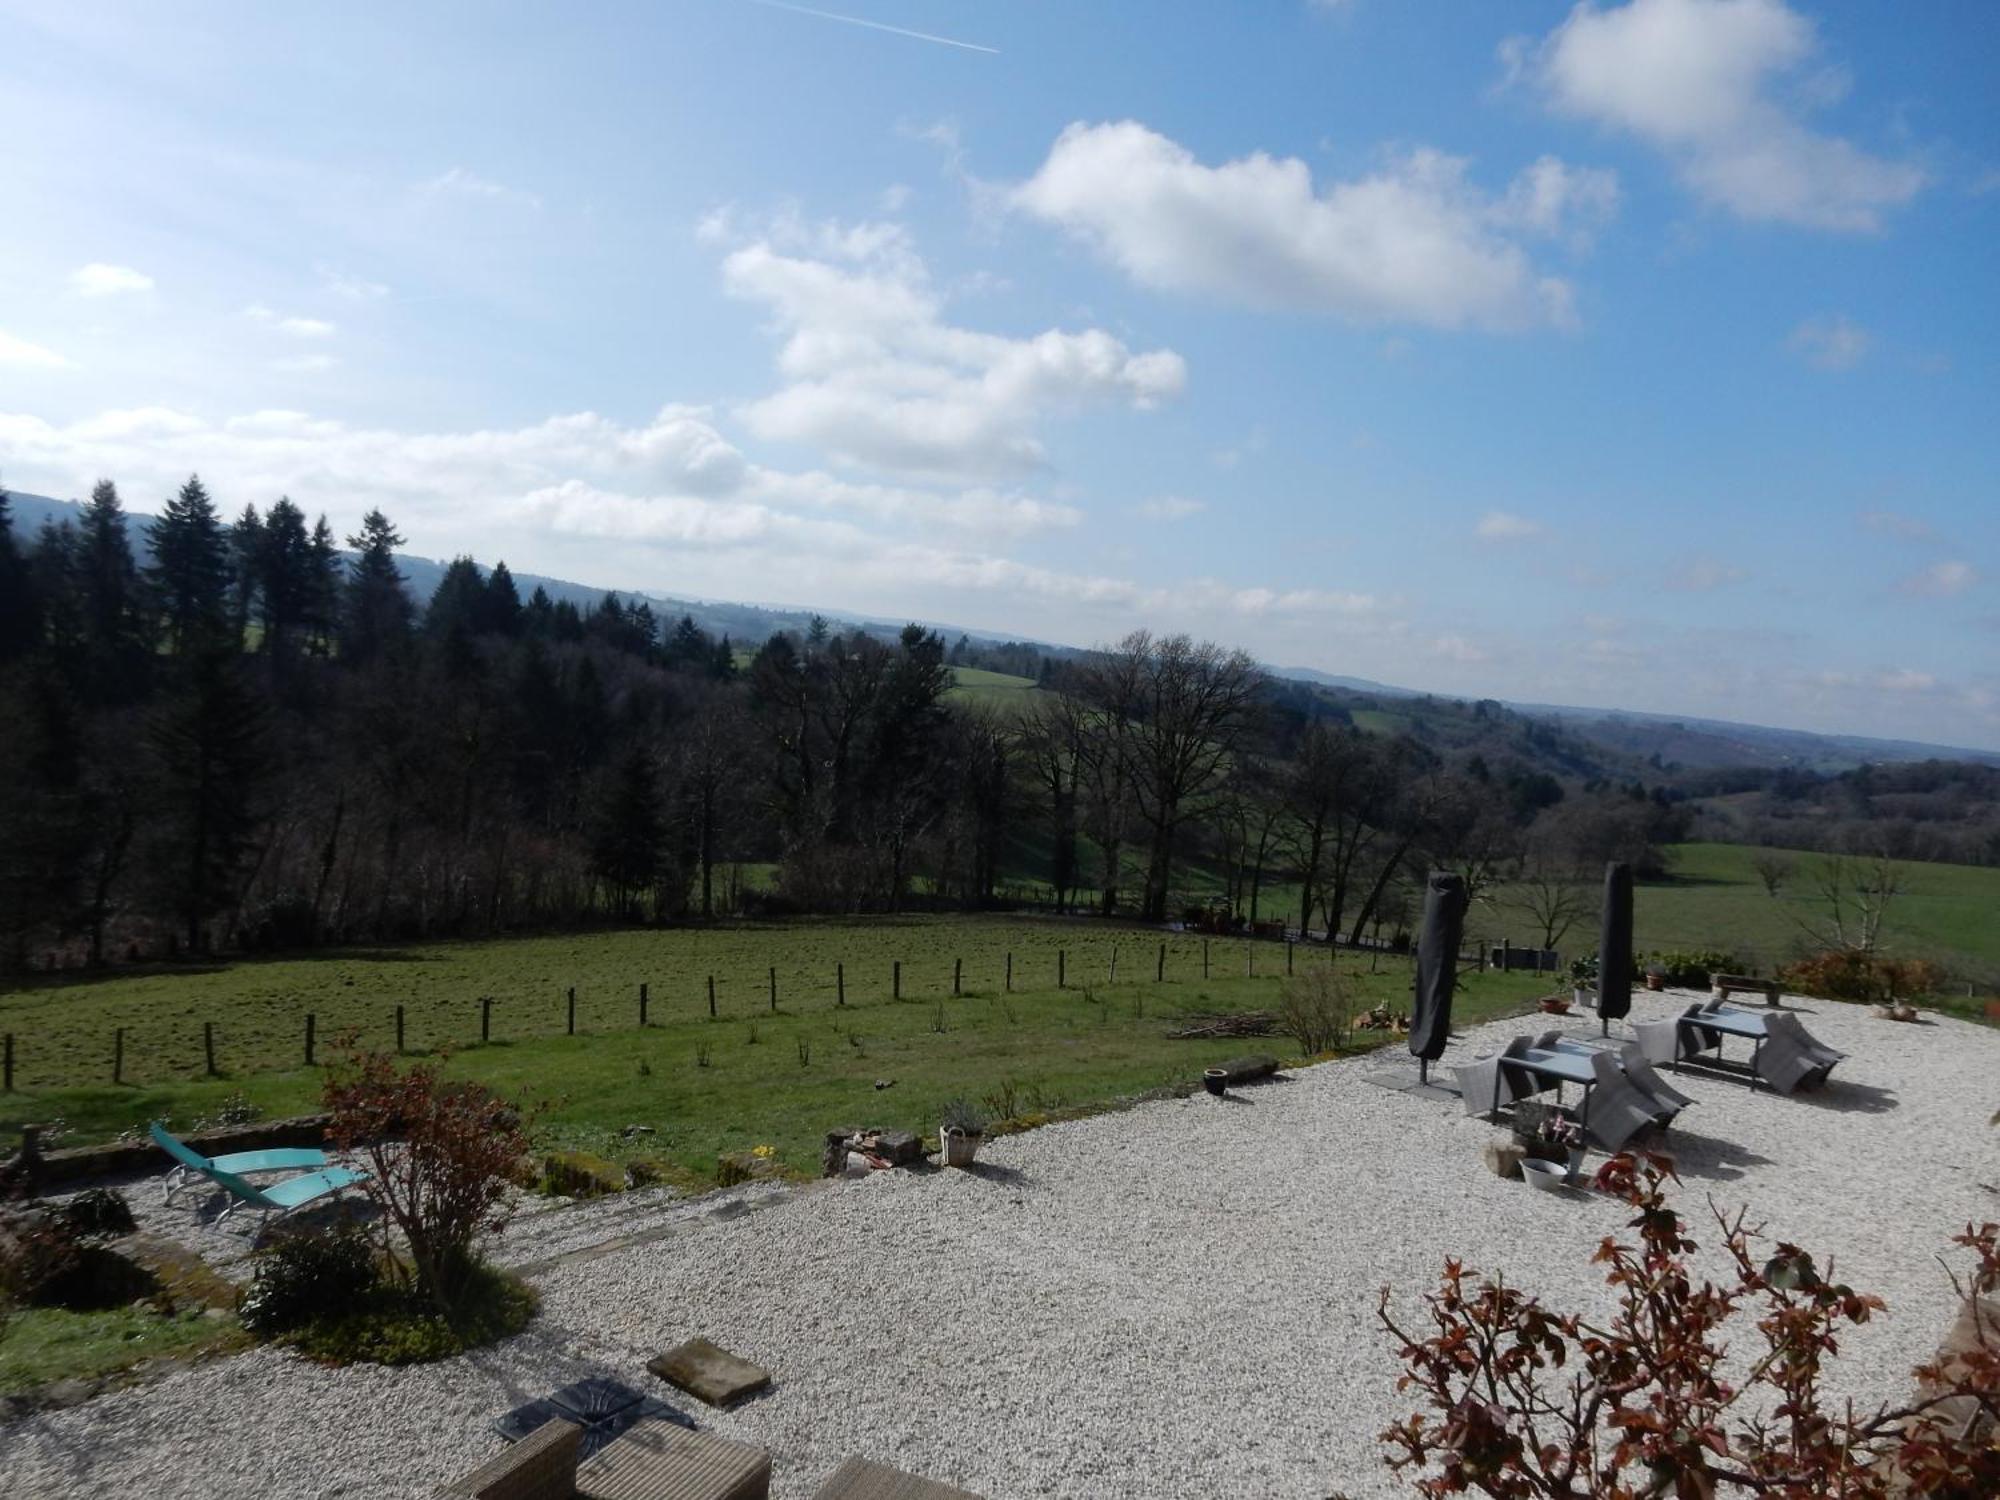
1437	965
1614	947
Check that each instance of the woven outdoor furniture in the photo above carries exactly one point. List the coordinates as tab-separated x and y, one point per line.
864	1479
660	1461
652	1461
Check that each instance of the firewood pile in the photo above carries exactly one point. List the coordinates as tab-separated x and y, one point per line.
1243	1023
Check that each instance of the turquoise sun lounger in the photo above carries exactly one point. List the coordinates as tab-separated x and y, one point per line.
280	1198
188	1160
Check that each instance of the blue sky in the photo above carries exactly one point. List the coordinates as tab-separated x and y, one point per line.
1637	354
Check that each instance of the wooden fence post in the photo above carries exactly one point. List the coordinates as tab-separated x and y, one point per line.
643	998
711	997
485	1018
1114	963
1062	964
1250	956
840	984
208	1045
774	989
957	968
312	1028
1204	958
118	1055
1160	968
572	1010
896	980
7	1065
1010	974
1288	958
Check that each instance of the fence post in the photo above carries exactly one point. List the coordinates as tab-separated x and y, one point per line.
208	1045
643	998
1204	958
1250	957
399	1029
1114	963
711	997
840	983
1160	969
1010	973
312	1027
1062	969
485	1018
7	1065
572	1010
956	970
774	989
896	980
118	1055
1288	958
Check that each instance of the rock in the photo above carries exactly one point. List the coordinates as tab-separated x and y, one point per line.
833	1155
578	1174
885	1083
1503	1158
732	1167
709	1373
631	1130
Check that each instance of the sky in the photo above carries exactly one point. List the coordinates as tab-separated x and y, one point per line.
1635	355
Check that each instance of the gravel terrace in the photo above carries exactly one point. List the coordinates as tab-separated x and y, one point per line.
1175	1300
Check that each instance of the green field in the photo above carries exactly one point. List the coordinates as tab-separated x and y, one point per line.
994	690
748	1077
1713	899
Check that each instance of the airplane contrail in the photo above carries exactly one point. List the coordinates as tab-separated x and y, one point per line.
922	36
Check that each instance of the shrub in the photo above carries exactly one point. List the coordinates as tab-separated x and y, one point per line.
1316	1009
1850	974
1694	970
441	1157
394	1325
97	1213
309	1277
1527	1402
578	1174
964	1116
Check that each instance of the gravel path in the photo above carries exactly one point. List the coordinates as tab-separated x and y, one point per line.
1174	1300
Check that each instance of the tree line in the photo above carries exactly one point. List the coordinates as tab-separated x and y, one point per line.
244	735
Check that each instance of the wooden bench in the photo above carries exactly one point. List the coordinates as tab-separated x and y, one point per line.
1724	985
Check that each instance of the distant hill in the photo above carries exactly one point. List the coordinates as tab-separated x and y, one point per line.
1659	742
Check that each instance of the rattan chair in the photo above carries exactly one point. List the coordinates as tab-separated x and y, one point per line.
542	1466
652	1461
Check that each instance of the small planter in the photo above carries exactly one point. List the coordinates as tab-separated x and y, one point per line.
960	1147
1577	1156
1555	1005
1549	1176
1656	981
1215	1080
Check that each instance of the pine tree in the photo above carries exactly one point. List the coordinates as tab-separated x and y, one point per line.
208	739
629	826
376	613
459	601
114	655
190	571
538	619
20	614
246	550
500	611
285	578
58	585
323	570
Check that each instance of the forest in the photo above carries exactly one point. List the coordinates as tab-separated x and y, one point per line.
248	735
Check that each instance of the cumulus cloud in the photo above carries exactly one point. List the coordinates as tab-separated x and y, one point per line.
1831	342
101	280
22	355
877	377
1505	526
1941	580
1413	242
1697	79
300	328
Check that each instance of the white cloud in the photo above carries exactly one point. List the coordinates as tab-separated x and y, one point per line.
1414	242
1941	580
349	287
875	376
1896	524
1505	526
1457	648
101	280
1550	197
1169	508
1703	575
302	328
1831	342
1694	79
457	182
304	364
21	354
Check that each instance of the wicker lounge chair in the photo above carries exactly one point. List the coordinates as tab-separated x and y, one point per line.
1618	1108
1668	1101
1790	1059
863	1479
242	1163
652	1461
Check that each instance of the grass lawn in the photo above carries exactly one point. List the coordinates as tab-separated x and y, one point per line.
40	1344
749	1077
995	690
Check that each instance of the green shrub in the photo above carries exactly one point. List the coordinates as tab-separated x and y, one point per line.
578	1174
309	1277
1694	970
98	1213
395	1325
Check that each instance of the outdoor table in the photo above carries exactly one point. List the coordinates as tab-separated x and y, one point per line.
1728	1023
1559	1068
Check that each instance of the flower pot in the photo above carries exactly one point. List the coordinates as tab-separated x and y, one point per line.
1215	1080
1587	999
960	1147
1656	981
1555	1006
1577	1157
1549	1176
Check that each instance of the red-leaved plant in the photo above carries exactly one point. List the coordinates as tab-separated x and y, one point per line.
1525	1402
440	1158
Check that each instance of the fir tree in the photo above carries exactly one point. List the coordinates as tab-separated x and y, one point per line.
20	614
246	550
109	579
208	739
190	571
500	610
376	613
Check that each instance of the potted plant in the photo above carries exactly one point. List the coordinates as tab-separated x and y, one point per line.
1656	977
1583	979
1215	1080
1555	1005
961	1132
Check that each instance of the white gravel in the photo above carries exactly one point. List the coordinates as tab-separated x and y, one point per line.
1174	1300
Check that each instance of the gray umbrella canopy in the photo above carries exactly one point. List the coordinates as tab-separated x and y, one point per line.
1614	944
1437	964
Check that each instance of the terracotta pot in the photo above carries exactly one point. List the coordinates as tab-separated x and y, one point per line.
1556	1007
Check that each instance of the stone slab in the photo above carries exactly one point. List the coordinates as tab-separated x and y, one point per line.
709	1373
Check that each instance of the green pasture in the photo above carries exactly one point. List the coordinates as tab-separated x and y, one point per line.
750	1076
